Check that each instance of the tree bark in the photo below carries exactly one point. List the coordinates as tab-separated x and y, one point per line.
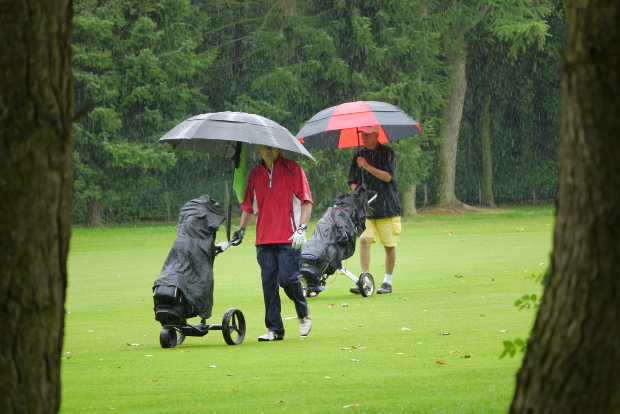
93	212
572	359
409	209
486	184
445	171
36	183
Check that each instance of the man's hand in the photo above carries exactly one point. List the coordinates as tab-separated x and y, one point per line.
299	237
237	236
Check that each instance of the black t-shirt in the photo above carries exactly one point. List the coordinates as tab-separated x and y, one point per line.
382	157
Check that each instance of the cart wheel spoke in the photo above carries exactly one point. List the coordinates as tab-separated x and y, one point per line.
233	326
366	284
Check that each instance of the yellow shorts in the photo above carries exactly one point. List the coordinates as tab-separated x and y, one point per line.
387	229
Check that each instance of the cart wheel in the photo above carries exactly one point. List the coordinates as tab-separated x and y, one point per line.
233	326
181	339
304	285
366	284
168	337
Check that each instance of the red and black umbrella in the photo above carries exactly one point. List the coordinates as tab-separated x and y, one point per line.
337	127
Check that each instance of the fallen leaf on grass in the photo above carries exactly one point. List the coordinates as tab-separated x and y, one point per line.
355	360
234	390
330	305
345	305
405	329
154	380
465	356
458	275
442	362
350	405
358	347
132	344
503	330
455	352
445	333
278	402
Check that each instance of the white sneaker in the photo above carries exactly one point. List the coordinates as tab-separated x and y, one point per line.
304	326
270	336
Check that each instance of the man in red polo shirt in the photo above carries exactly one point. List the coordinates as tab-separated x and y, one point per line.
279	194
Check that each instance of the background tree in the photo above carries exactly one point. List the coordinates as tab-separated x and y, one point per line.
36	97
572	358
143	68
287	60
507	151
518	21
327	53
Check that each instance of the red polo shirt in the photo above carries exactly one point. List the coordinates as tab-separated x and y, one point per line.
276	196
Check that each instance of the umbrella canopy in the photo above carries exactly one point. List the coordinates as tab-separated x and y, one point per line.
337	127
218	133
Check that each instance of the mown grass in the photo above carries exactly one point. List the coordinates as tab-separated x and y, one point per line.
456	274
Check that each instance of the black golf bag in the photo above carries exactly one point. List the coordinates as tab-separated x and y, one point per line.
184	288
333	239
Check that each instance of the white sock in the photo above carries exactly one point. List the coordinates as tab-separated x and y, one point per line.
388	278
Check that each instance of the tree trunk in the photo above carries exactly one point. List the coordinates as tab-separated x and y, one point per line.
409	209
36	184
486	185
445	171
93	212
572	360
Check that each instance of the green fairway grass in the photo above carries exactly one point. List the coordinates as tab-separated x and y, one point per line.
455	283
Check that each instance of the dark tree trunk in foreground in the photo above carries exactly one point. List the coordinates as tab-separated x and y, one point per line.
36	98
572	361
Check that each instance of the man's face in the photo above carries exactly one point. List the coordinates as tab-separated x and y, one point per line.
370	140
268	154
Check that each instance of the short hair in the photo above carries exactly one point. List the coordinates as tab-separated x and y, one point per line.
369	129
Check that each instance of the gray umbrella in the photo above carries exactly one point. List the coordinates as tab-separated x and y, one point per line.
218	133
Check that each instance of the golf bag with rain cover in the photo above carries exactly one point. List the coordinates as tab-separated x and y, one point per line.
333	240
184	288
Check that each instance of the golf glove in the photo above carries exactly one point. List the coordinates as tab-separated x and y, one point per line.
238	236
299	237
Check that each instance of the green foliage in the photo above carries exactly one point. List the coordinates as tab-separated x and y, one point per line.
145	66
524	119
527	301
512	347
139	66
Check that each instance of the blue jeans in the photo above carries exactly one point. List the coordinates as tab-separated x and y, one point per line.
280	264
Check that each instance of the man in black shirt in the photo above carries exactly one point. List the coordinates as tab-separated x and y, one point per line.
374	167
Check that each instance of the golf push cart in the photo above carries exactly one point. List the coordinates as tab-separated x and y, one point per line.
184	288
333	241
